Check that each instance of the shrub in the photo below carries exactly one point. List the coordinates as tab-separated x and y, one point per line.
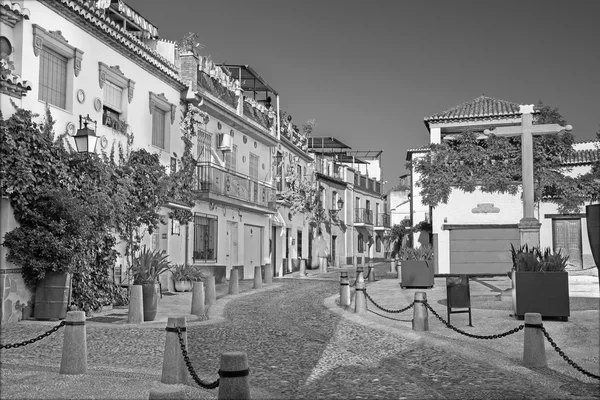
534	260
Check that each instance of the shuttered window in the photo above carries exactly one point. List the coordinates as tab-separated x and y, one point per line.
231	159
253	164
113	95
53	78
205	237
158	128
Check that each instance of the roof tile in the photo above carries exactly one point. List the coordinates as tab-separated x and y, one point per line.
480	107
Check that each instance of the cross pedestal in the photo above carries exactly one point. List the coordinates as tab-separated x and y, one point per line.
529	226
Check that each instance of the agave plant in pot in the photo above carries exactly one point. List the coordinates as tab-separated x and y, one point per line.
147	266
417	267
540	283
183	277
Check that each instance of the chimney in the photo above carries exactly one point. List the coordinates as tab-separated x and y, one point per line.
189	69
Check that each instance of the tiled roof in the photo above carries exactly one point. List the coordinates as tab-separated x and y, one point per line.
15	8
116	32
480	108
583	157
13	85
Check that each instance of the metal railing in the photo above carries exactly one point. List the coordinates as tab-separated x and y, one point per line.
213	178
363	216
383	220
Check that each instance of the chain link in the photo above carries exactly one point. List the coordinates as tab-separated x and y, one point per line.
385	309
188	363
26	342
564	356
497	336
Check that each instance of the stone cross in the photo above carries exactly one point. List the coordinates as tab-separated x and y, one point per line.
529	226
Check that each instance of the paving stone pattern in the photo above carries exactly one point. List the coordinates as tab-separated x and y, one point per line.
297	349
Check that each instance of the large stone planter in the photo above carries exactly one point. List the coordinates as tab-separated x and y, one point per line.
150	300
546	293
592	214
417	273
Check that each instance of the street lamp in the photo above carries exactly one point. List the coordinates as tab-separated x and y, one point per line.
333	214
86	139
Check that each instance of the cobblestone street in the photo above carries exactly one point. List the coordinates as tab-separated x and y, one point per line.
297	349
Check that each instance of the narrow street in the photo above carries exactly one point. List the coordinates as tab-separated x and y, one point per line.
296	347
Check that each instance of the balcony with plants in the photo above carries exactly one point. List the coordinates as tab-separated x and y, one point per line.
219	185
297	137
368	184
382	220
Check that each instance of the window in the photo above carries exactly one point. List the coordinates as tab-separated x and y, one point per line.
361	243
205	238
253	165
378	244
158	128
334	196
53	78
204	146
161	111
231	159
299	243
57	56
114	84
279	171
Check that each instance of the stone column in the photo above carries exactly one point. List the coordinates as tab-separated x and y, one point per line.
529	226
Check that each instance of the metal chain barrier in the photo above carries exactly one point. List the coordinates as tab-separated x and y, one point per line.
564	356
497	336
25	343
385	309
204	385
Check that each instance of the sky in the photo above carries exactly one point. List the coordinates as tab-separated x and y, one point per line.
370	71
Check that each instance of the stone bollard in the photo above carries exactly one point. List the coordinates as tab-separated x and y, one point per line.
167	393
398	271
344	289
359	270
174	369
136	306
534	350
74	351
234	282
268	274
210	290
257	278
420	322
234	382
302	269
360	301
371	272
392	266
198	299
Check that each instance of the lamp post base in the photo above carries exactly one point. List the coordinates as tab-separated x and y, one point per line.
529	230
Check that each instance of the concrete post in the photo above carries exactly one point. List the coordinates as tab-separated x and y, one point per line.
234	282
398	271
136	306
420	320
198	299
344	289
174	370
360	301
257	278
211	291
371	272
302	269
392	266
234	382
534	350
74	351
268	274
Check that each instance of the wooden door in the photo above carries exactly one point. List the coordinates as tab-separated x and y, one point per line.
232	245
566	236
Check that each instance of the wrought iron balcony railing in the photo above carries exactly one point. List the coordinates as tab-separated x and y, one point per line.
363	216
213	178
383	220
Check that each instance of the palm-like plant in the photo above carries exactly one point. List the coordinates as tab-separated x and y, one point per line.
534	260
148	265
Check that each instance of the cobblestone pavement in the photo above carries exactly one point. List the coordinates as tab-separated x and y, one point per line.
297	349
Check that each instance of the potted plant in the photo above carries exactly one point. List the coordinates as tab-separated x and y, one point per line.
183	277
417	267
147	266
540	282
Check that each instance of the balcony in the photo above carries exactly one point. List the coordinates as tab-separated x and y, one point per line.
382	221
367	183
219	185
363	216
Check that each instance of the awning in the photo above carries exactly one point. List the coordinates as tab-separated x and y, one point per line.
366	230
277	219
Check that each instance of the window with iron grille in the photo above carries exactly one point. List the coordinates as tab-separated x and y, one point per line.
231	159
299	243
205	238
253	165
377	244
279	171
204	146
361	243
158	128
53	78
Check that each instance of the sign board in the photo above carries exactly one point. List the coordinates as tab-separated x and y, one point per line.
458	295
